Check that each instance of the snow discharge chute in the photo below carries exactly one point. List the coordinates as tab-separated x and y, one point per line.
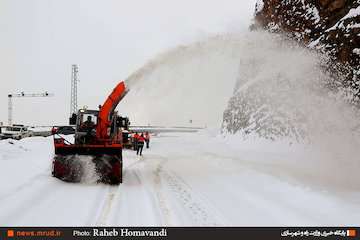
98	134
107	110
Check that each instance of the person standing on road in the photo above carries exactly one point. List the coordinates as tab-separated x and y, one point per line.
141	141
147	139
135	139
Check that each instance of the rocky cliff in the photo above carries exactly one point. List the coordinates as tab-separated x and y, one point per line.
292	92
330	26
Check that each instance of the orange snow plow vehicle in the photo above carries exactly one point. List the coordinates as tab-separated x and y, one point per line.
98	137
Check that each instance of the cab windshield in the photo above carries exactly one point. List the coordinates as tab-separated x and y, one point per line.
89	118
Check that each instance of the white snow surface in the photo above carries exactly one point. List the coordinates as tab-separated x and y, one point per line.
354	12
259	6
356	51
184	179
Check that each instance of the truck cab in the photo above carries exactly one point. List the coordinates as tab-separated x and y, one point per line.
86	123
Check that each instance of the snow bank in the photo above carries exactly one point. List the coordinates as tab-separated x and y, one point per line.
330	166
24	160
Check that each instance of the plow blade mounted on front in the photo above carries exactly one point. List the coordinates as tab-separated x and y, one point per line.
71	160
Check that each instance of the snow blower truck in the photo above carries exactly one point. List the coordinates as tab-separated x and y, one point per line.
98	138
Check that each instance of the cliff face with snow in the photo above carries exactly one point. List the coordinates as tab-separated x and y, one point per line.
330	26
292	92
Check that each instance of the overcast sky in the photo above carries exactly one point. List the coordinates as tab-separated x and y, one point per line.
108	39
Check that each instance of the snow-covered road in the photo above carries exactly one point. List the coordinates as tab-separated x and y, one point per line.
184	179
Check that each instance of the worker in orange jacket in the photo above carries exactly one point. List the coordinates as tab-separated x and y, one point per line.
141	141
147	139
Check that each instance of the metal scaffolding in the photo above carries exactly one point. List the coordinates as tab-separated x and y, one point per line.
74	81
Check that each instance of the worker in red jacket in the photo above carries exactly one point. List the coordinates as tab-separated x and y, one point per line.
135	141
141	141
147	139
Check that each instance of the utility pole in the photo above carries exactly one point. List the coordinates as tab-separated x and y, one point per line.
19	95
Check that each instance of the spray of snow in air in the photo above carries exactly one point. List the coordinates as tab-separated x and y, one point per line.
89	174
254	85
187	86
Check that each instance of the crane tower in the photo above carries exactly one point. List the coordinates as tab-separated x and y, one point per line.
19	95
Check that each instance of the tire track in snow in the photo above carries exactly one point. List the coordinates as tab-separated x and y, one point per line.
156	191
98	204
108	201
198	207
159	200
106	207
165	210
135	202
151	202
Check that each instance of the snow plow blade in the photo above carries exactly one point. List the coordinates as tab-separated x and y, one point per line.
114	149
70	160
